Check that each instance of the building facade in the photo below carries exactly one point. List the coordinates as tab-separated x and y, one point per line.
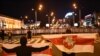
10	23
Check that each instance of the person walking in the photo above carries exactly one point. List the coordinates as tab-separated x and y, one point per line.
24	50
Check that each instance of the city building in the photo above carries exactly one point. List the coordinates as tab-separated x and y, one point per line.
10	23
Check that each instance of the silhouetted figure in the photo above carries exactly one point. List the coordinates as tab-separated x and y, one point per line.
2	34
68	54
24	50
29	34
10	36
68	31
99	32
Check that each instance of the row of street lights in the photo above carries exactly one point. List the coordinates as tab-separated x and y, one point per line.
52	13
40	8
26	17
50	16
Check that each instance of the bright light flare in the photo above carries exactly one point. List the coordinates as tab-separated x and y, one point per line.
40	7
52	13
26	17
75	6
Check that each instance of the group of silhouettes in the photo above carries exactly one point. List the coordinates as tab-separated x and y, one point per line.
9	34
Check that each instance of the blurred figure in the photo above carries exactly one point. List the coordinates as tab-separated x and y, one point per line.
29	34
10	35
99	32
24	50
68	31
68	54
2	34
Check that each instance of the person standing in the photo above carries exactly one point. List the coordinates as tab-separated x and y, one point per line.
29	34
2	34
10	36
68	31
24	50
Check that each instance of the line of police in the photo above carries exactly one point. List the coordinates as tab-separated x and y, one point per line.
9	34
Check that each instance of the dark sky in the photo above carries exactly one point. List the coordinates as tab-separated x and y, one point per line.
17	8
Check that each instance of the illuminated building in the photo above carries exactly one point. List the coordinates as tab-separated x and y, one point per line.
10	23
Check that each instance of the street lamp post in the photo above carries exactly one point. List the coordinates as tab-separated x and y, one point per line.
40	8
51	16
75	7
79	16
35	16
48	19
79	11
73	18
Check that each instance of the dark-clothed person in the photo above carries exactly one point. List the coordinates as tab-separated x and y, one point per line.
2	34
9	35
24	50
66	54
68	31
29	34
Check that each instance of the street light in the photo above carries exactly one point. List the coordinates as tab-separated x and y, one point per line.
79	11
75	6
39	8
52	13
32	9
51	16
26	17
48	19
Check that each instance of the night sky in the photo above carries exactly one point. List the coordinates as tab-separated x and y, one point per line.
17	8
